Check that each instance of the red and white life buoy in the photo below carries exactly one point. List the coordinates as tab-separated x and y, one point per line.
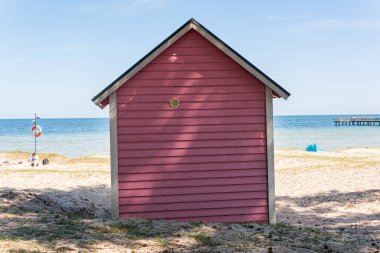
37	131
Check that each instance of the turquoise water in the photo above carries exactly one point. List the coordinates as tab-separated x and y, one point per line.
70	137
80	137
298	131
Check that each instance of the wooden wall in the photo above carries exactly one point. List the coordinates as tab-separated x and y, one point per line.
205	160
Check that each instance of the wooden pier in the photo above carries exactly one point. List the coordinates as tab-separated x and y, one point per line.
353	121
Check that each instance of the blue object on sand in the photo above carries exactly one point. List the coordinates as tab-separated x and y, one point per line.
313	147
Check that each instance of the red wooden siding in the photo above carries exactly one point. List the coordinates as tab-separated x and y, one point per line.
205	160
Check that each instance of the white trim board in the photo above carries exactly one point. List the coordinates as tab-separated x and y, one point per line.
270	156
114	156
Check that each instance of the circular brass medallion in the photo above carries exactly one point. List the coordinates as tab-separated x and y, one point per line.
174	103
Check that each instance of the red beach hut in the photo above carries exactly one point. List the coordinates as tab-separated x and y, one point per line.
192	133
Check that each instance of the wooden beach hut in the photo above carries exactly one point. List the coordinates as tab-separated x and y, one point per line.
192	133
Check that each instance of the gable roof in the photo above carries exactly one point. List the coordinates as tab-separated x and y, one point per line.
191	24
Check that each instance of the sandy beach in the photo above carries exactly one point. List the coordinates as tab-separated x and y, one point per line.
326	202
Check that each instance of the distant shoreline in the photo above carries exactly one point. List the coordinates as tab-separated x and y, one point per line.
75	137
16	154
279	115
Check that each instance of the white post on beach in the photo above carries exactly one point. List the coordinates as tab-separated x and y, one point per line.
34	131
35	137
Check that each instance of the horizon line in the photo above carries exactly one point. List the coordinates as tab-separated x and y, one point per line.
273	115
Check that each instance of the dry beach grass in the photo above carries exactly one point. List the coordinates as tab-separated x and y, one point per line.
326	202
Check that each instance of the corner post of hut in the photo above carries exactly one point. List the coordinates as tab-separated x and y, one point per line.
270	155
114	156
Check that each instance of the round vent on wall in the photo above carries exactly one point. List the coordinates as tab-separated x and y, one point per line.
174	103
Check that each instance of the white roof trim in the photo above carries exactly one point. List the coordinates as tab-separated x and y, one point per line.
210	37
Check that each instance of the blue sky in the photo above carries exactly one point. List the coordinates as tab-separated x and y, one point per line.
56	55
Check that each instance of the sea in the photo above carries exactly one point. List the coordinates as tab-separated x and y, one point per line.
76	137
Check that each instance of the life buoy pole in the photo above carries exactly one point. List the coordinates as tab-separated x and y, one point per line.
36	131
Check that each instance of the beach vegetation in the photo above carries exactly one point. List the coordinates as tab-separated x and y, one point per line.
196	224
206	240
52	232
280	228
164	243
44	170
21	155
24	251
54	158
130	230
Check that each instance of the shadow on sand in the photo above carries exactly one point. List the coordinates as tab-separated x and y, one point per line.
80	219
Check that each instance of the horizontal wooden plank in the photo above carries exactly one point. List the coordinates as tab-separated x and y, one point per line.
188	42
190	58
192	35
257	218
191	129
191	121
186	190
191	74
192	144
206	83
192	42
192	159
192	167
196	213
192	182
210	90
215	204
191	66
192	198
191	51
159	176
126	114
151	153
249	96
192	105
126	138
